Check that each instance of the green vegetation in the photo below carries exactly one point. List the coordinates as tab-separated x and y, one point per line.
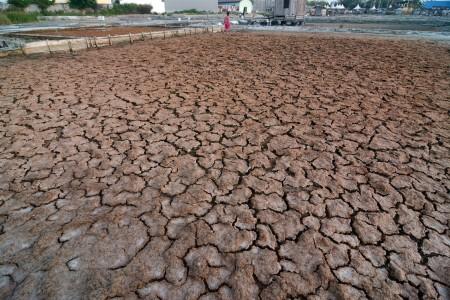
43	4
4	19
317	3
123	9
83	4
350	4
20	4
14	17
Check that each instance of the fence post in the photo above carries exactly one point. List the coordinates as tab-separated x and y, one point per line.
70	46
109	39
143	38
48	46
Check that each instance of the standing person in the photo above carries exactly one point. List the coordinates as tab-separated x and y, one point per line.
227	22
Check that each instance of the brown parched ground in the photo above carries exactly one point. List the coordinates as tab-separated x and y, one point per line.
241	166
97	31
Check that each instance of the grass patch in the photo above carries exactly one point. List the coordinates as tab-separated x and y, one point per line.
4	20
21	17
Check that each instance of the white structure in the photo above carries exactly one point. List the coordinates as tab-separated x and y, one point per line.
242	6
245	6
159	6
163	6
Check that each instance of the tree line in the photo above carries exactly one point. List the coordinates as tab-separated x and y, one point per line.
350	4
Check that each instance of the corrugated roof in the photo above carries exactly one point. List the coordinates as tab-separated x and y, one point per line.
436	4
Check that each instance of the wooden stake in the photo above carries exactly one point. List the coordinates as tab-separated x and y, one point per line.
48	46
131	40
109	39
70	47
143	38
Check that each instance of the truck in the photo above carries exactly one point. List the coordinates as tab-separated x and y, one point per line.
289	12
279	12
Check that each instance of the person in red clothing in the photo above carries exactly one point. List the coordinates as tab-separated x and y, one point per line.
227	22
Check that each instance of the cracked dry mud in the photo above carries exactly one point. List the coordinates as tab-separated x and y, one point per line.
238	166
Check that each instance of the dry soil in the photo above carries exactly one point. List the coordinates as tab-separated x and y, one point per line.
237	166
97	31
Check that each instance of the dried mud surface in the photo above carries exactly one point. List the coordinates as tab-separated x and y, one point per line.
242	166
97	32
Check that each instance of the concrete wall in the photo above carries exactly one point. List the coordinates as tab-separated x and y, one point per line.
177	5
32	8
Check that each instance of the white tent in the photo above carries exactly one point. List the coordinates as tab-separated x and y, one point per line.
373	8
357	7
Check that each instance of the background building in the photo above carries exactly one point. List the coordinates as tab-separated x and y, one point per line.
3	4
236	5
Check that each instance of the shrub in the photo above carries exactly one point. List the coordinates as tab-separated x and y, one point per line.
21	17
43	4
122	9
4	20
19	3
83	4
144	9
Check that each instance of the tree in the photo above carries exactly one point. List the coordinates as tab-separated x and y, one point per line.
19	3
43	4
321	3
83	4
349	4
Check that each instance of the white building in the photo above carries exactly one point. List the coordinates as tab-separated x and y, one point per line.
3	4
242	6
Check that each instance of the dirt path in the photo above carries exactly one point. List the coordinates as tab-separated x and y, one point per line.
227	167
